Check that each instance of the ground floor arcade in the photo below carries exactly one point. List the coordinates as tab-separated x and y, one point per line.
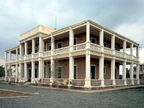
80	71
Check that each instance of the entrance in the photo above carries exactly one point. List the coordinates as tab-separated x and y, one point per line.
93	72
29	75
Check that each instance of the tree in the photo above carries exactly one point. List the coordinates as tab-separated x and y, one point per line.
2	71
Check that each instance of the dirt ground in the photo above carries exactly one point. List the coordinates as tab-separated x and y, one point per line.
4	93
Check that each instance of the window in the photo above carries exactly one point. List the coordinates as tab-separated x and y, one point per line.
93	40
93	72
75	41
59	45
75	72
59	72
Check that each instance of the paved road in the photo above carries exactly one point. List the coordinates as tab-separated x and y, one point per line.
130	98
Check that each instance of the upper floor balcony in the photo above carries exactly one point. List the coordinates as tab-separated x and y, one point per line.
79	37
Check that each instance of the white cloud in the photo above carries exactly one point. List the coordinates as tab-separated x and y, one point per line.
134	31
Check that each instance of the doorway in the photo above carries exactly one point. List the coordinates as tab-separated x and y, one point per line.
93	72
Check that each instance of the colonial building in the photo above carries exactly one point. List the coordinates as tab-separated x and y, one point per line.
85	54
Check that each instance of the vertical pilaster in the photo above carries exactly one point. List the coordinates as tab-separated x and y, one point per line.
113	71
137	73
88	69
33	72
131	73
124	72
101	70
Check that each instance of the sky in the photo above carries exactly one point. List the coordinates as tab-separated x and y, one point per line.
18	16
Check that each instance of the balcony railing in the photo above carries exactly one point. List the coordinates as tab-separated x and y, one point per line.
78	47
61	50
35	54
119	54
47	53
108	51
29	56
95	47
129	56
81	46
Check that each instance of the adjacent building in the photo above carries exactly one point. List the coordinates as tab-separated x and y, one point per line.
84	55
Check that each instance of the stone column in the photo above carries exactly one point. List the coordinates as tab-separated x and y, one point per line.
124	72
52	71
41	46
124	46
16	76
26	48
20	72
131	50
113	72
52	45
101	38
137	73
71	70
9	55
33	72
25	71
113	42
137	51
88	70
71	39
17	53
87	35
6	74
131	73
20	47
33	46
101	70
41	69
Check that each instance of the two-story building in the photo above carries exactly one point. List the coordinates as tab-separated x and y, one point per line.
84	55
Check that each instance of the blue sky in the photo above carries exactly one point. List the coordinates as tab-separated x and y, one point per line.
17	16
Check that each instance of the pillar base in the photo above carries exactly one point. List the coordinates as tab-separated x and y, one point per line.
102	83
132	82
87	84
113	82
125	82
138	81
